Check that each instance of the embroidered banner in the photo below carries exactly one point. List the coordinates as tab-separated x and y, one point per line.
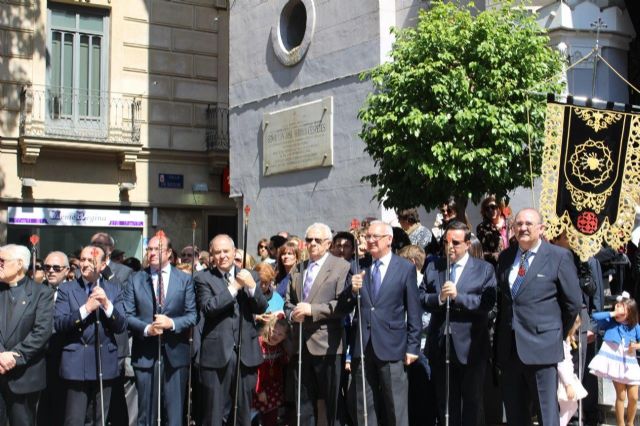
590	176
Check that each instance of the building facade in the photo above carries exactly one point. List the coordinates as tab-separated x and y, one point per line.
113	116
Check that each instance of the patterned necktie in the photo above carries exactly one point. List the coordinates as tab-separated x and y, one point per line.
308	281
452	273
376	279
522	272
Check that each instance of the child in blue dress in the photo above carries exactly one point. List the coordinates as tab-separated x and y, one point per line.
616	359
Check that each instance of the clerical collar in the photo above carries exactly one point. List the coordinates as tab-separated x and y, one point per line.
20	282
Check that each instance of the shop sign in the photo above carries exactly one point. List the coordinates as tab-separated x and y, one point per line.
54	216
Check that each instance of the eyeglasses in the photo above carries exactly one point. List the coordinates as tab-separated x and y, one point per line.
456	243
492	207
262	246
446	211
526	224
38	267
374	237
317	240
55	268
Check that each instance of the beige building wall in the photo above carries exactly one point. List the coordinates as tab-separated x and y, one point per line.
168	62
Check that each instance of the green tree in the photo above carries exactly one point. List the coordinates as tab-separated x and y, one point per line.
449	112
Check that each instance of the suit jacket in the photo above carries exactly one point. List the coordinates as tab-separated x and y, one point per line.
78	335
140	307
544	308
223	314
121	274
27	334
469	312
392	321
323	331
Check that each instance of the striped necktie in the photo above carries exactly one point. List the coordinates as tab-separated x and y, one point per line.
522	272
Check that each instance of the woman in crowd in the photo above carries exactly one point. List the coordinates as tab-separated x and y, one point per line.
493	232
410	222
288	258
263	249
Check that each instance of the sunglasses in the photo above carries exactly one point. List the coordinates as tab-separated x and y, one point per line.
492	207
317	240
262	246
54	268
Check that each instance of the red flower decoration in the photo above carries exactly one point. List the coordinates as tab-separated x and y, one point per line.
34	239
587	223
355	224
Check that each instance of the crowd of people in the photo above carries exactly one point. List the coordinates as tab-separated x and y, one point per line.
370	325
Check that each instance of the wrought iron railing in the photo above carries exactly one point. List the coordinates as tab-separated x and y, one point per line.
84	115
217	127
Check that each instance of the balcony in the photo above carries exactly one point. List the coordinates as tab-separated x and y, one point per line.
80	120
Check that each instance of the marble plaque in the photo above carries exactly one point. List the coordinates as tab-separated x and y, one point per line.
297	138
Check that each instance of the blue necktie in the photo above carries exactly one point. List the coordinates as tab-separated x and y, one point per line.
452	273
376	280
522	272
308	282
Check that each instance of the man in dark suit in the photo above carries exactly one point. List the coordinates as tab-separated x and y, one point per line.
539	301
176	304
391	322
77	308
25	327
51	404
312	302
471	290
122	410
228	299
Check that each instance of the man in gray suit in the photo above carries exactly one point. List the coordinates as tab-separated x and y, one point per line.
539	301
312	302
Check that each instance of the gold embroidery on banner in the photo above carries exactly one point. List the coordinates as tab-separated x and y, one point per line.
591	157
596	119
616	234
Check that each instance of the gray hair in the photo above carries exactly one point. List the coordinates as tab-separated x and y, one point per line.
19	252
65	259
324	229
222	236
388	230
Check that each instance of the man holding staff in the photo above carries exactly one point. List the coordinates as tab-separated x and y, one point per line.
312	301
228	299
77	307
172	324
471	290
390	322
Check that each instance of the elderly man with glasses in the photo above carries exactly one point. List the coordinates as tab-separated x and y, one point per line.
51	405
26	311
312	302
390	322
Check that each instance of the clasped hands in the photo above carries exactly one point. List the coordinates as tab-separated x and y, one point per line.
159	325
7	361
448	291
96	299
243	279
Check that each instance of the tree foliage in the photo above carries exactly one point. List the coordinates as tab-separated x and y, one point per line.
449	112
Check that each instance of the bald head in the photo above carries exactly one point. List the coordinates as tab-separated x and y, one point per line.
56	266
528	228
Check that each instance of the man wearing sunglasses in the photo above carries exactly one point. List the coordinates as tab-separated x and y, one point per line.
471	293
51	405
312	302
